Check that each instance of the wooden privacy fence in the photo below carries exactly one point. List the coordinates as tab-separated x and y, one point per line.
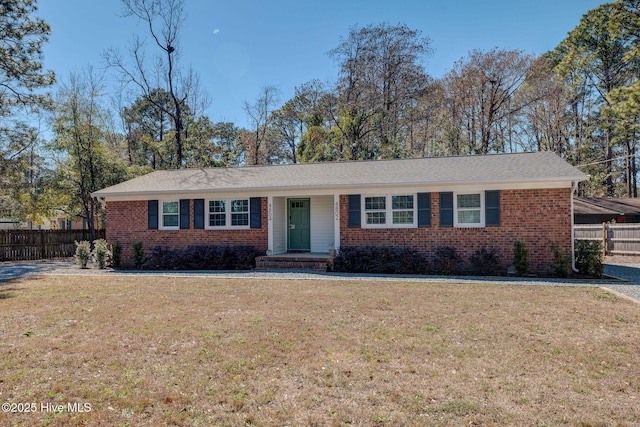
22	245
617	239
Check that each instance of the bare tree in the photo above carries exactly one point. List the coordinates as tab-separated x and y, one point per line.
81	133
483	88
546	122
381	77
260	116
164	19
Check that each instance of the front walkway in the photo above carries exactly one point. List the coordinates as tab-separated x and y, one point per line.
628	275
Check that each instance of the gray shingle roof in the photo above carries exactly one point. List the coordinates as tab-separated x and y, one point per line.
603	206
488	169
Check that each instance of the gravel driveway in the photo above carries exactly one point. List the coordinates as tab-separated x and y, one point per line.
629	275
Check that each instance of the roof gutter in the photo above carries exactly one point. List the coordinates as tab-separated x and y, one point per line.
574	188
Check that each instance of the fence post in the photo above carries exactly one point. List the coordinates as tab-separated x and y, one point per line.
43	252
605	240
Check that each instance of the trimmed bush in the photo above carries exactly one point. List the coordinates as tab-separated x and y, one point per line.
447	261
83	253
139	259
521	258
380	260
225	257
589	257
559	267
99	253
485	262
116	254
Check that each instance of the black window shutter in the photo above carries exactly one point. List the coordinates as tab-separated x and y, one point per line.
185	216
492	208
152	214
446	209
424	209
255	212
198	213
354	211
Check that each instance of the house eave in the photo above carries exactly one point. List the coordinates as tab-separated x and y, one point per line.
343	189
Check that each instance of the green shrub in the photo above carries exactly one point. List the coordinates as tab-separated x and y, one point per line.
447	261
99	253
83	253
380	260
485	261
116	254
139	259
559	266
589	257
521	258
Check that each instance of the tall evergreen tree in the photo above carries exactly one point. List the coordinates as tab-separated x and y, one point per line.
594	61
22	79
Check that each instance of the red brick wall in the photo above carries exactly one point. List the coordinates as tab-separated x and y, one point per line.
534	217
127	223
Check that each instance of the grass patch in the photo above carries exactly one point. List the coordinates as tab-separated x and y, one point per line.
197	351
603	295
458	408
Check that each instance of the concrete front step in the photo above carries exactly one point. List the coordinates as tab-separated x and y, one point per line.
293	263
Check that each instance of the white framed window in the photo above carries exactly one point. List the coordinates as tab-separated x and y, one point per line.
217	213
239	213
402	210
169	215
375	210
469	210
228	213
389	211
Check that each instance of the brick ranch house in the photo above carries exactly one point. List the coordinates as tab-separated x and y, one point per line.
466	202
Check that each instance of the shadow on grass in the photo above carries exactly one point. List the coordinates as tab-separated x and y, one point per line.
15	270
8	293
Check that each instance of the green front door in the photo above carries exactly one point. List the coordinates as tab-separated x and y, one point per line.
299	225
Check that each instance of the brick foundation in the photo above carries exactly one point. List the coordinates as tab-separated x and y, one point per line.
535	217
127	223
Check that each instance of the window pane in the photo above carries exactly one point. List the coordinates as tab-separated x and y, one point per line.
402	202
376	218
217	206
373	203
468	200
403	217
239	206
170	207
299	204
217	220
469	217
170	220
239	219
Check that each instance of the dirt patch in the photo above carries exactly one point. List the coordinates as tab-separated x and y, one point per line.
198	351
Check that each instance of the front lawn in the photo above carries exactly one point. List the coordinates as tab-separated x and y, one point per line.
194	351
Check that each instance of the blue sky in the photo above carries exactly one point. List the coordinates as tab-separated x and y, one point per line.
239	46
